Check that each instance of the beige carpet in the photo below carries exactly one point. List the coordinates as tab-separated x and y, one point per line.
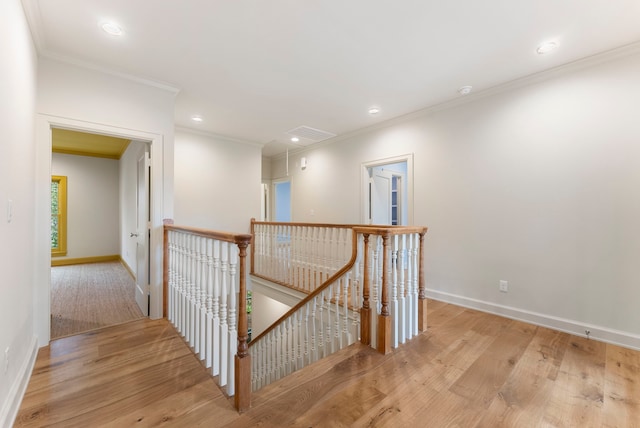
90	296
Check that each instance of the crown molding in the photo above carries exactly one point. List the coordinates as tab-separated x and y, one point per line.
110	71
224	138
570	67
34	21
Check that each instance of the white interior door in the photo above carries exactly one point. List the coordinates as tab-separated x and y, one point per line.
380	196
142	234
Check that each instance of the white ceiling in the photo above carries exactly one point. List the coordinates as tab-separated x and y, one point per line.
254	69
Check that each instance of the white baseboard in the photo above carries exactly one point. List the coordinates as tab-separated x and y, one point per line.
616	337
9	410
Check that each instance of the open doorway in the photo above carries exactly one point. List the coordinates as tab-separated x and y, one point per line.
387	191
101	278
154	145
282	200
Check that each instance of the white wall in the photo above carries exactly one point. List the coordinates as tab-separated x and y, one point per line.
128	173
217	182
265	312
17	169
93	204
536	185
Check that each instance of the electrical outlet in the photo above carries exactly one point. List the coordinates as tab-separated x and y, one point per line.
504	286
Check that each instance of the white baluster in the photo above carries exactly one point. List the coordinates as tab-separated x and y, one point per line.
192	290
304	255
203	297
414	253
254	367
217	287
188	289
346	282
375	276
184	284
171	314
301	338
319	338
290	346
271	357
209	326
279	348
233	309
307	333
170	278
265	368
197	294
393	304
224	296
402	315
180	284
336	341
318	327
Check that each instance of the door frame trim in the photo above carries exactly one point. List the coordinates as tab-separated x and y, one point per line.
42	260
364	184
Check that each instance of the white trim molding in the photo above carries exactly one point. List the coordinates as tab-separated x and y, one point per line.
10	408
577	328
44	124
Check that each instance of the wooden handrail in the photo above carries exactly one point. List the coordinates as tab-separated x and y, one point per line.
287	223
390	230
236	238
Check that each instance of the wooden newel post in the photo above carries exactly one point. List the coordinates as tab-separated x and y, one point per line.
384	320
365	311
165	267
422	296
242	361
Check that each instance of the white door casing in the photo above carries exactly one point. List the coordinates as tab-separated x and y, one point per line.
42	263
376	190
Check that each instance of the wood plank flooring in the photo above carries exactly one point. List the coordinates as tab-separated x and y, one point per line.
470	369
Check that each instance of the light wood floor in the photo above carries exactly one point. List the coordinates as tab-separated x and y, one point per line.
469	370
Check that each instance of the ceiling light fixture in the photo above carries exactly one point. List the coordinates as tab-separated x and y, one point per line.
196	119
112	28
374	110
546	47
465	90
295	139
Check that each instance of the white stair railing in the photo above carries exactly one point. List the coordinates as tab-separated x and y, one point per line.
323	323
204	277
299	255
365	283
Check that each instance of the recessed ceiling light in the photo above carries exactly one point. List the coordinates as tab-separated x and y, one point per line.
196	118
546	47
374	110
295	139
465	90
112	28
